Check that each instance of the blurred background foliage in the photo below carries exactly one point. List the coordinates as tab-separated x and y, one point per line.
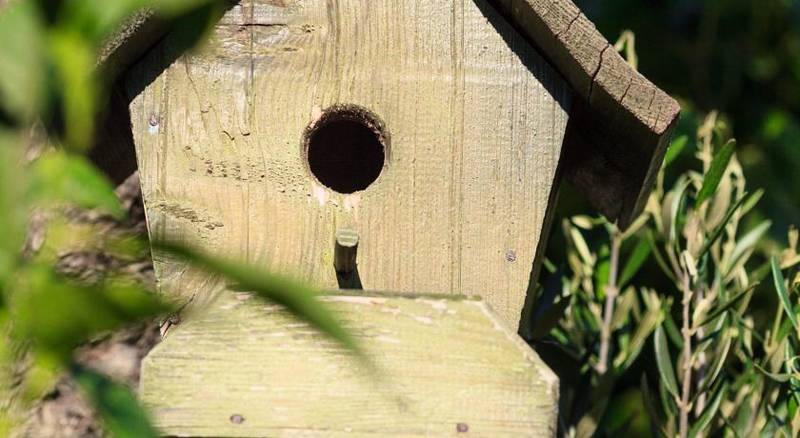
738	60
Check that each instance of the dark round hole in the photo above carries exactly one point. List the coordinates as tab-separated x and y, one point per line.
345	149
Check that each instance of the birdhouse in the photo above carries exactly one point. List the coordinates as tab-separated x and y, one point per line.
408	146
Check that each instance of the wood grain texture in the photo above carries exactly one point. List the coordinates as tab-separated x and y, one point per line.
445	365
622	120
475	116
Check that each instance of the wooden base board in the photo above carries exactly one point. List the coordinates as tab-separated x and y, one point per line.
445	366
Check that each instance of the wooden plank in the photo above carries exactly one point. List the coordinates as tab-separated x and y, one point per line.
476	121
623	120
446	366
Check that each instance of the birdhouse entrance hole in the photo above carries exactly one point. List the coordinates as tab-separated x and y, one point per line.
346	148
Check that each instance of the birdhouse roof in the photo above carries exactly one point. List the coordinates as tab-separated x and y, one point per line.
620	122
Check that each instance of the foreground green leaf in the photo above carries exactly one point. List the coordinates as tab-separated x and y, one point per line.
675	149
122	414
716	171
664	361
708	414
61	177
783	294
634	262
58	314
296	297
74	60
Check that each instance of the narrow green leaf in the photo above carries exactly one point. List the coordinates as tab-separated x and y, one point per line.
708	413
778	377
643	330
634	262
746	243
672	330
601	272
664	361
675	149
751	203
122	414
61	177
717	232
676	207
783	294
726	306
296	297
716	367
716	171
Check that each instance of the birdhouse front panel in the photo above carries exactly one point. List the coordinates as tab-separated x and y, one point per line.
429	128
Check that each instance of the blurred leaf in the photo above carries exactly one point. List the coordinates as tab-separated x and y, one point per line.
675	202
543	325
601	272
13	216
297	298
58	315
635	261
675	149
189	26
22	61
716	171
649	403
751	203
600	396
780	288
546	313
778	377
672	330
643	330
708	413
719	361
74	61
658	257
121	413
664	361
63	177
581	246
97	20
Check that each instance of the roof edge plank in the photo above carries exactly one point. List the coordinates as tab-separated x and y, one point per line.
623	119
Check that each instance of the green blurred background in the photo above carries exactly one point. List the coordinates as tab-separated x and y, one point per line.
741	57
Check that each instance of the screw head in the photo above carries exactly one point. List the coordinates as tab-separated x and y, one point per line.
462	427
237	419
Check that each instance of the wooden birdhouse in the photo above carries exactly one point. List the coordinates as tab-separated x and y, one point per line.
410	146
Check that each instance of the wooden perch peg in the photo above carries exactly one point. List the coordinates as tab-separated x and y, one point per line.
345	252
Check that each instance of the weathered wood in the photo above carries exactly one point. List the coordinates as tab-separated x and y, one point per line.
621	119
476	120
445	364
